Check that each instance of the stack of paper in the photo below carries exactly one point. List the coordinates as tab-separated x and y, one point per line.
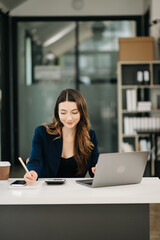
134	124
144	106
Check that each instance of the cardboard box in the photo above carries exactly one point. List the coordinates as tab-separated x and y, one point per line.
136	49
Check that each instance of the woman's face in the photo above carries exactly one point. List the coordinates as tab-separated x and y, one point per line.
69	114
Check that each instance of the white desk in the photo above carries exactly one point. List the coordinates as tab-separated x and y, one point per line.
148	191
73	211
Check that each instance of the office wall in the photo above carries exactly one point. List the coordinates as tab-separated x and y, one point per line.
155	29
147	5
86	7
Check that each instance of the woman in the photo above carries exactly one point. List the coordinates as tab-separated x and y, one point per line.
67	147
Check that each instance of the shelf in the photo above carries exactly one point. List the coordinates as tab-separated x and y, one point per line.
157	131
130	94
136	62
133	136
132	112
140	86
128	136
142	135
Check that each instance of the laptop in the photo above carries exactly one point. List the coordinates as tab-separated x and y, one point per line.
118	169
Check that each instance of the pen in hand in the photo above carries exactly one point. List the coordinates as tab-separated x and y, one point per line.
24	166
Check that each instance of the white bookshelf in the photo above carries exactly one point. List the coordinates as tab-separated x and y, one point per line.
127	80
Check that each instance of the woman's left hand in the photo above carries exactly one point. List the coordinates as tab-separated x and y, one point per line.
94	169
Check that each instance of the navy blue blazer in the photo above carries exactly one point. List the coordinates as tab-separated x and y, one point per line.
46	154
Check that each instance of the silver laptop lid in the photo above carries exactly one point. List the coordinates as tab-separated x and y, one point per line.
120	168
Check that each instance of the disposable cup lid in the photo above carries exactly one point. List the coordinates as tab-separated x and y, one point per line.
4	164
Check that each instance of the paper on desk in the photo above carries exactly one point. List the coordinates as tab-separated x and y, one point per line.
37	184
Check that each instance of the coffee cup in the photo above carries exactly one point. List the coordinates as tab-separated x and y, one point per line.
4	170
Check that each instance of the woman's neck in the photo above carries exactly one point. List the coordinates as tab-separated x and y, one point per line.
67	132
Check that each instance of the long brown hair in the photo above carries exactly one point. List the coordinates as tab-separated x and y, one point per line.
82	144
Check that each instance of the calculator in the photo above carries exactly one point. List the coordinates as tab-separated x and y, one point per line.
52	181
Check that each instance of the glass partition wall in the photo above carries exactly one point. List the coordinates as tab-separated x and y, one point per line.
46	66
53	56
98	56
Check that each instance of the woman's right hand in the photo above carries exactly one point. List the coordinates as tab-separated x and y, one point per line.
31	178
